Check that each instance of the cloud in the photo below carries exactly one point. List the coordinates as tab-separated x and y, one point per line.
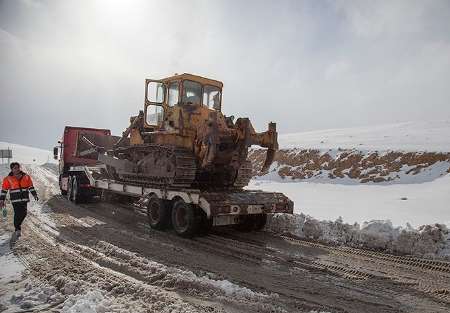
304	64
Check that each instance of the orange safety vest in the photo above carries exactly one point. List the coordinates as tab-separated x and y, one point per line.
19	189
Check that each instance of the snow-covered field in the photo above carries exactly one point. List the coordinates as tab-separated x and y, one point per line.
417	204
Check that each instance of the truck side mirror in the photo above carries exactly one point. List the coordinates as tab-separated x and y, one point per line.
55	153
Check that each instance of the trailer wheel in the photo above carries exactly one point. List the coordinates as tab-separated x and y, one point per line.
260	221
246	224
185	219
205	224
158	213
69	189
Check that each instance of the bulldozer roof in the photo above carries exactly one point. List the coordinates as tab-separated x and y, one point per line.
200	79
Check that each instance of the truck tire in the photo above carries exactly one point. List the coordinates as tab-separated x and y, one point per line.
158	213
76	196
69	189
185	219
63	192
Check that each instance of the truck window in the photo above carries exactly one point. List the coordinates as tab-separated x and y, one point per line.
155	114
211	97
173	94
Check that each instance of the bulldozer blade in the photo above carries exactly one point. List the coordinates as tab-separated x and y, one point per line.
270	155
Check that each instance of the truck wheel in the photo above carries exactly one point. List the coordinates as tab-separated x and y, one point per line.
185	219
260	221
76	197
158	213
63	192
69	189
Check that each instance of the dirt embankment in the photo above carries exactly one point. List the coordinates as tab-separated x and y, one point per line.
363	167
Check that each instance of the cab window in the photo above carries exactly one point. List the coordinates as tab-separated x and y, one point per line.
155	92
173	94
155	114
211	97
192	92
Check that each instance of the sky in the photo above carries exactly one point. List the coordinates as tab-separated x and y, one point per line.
306	65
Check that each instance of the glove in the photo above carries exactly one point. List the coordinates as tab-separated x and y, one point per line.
36	198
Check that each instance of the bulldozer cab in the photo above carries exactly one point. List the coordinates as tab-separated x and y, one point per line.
183	91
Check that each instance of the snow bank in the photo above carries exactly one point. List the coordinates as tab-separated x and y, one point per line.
432	241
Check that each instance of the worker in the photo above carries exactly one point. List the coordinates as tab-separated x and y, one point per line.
19	186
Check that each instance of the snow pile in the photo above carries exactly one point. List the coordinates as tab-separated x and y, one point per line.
34	297
28	155
89	302
425	241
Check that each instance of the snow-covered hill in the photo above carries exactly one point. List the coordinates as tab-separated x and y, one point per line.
28	155
413	152
408	136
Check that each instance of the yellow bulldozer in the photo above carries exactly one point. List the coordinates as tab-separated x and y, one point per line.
182	139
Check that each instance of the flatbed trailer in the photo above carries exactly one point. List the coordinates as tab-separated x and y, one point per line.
189	211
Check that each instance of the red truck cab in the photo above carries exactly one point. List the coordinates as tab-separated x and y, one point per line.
69	152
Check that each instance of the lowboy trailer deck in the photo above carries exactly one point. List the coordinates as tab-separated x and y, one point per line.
189	211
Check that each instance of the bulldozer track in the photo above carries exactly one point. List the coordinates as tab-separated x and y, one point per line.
185	167
244	174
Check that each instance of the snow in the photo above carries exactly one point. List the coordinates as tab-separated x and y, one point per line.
89	302
407	136
28	155
11	268
431	241
426	203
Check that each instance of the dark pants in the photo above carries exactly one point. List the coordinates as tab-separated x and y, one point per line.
20	211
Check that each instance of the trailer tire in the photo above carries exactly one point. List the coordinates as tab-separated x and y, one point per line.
205	224
185	219
246	224
158	213
260	221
